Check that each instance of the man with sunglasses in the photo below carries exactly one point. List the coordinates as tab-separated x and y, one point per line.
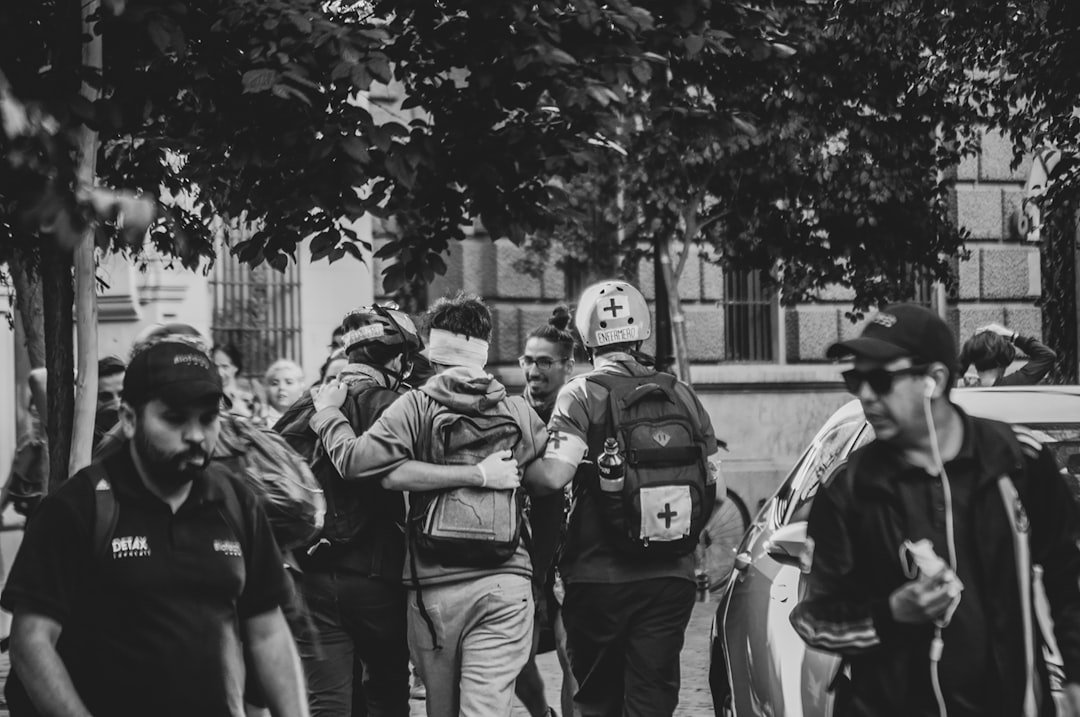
951	634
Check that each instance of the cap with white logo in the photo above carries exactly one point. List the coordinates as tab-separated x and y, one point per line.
174	371
902	330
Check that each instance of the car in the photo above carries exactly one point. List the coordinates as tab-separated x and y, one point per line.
759	665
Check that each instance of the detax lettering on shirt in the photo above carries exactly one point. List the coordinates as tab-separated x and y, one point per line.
130	546
228	547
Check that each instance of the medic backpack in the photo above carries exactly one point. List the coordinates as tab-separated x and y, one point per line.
668	493
472	527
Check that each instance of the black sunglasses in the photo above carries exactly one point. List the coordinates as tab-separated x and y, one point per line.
880	379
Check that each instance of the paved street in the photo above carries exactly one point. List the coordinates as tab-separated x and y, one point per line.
694	701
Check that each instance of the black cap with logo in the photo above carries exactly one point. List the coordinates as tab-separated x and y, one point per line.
173	371
902	330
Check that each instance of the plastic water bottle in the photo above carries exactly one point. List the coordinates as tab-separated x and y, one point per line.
611	467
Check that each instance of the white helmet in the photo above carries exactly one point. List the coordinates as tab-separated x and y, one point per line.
612	312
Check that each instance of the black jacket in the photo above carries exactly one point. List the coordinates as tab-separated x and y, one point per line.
363	531
859	521
1041	359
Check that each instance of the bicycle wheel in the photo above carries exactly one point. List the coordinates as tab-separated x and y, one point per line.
721	539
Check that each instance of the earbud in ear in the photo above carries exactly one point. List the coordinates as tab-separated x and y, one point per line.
931	386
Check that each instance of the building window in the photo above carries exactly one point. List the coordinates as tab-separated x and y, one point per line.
750	312
925	292
257	311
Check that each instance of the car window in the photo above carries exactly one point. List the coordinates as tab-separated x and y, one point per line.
1063	440
830	465
801	509
820	459
783	495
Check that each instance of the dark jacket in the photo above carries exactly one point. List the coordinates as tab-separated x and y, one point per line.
859	521
1041	359
363	532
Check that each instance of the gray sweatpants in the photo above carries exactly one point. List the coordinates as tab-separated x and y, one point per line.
484	629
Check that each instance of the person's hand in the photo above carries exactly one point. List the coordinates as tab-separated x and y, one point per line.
1071	706
500	471
923	600
996	329
329	395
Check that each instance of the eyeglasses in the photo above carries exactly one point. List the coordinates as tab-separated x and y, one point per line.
880	379
543	363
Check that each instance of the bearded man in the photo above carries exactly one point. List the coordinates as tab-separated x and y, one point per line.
145	577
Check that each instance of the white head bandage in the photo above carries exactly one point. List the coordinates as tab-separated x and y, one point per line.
450	349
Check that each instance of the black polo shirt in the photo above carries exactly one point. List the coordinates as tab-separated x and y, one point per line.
152	626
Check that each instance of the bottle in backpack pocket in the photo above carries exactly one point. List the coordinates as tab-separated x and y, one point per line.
611	468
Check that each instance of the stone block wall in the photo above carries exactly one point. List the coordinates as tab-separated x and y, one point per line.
998	282
521	303
1001	279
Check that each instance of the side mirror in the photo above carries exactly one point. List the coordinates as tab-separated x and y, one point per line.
788	544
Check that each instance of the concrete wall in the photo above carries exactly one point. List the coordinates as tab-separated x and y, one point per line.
327	292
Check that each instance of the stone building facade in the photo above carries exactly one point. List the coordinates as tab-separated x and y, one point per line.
767	409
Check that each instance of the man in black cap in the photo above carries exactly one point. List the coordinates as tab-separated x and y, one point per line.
144	578
921	549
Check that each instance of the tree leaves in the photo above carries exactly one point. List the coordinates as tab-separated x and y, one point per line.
258	80
805	138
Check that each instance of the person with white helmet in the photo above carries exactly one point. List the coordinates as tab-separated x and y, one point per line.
630	589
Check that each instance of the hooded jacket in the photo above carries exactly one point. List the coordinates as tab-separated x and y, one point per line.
403	433
858	522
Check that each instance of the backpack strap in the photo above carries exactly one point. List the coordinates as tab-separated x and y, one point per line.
106	510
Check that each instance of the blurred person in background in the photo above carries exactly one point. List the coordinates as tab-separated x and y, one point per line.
284	382
110	383
547	363
992	349
331	368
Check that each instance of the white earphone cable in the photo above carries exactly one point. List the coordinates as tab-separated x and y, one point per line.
937	645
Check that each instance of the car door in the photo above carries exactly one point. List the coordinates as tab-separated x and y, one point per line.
767	662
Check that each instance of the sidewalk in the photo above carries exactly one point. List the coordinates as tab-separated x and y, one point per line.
695	699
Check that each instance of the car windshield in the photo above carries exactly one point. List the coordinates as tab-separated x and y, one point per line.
1063	439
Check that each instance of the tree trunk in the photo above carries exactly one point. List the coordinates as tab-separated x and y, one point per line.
662	330
28	300
58	293
1061	293
86	310
678	319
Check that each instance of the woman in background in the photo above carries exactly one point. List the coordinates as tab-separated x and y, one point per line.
284	384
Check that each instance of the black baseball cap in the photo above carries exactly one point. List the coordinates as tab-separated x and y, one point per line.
902	330
174	371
